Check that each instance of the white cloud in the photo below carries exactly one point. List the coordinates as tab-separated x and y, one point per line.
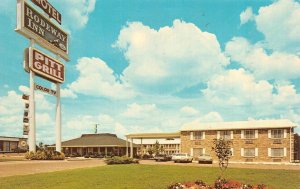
247	15
106	124
276	65
280	23
75	14
12	107
236	87
171	58
188	110
11	104
140	110
44	119
211	117
238	90
286	96
120	130
40	100
67	93
97	79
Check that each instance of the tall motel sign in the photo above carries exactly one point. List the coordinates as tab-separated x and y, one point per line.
40	29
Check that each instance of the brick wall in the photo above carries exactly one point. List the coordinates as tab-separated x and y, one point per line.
262	143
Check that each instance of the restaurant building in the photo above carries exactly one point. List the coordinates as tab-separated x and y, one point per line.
101	143
252	141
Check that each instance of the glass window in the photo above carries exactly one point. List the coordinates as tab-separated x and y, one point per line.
277	152
249	152
225	134
6	146
249	134
277	133
198	135
1	146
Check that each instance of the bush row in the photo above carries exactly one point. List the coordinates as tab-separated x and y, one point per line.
45	155
121	160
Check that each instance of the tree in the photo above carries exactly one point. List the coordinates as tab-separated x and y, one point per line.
223	152
150	151
157	148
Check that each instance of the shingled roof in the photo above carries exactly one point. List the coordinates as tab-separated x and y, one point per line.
96	140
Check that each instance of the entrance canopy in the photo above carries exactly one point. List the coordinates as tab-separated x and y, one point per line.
153	135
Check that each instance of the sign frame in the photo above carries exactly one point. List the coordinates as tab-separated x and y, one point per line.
40	40
40	73
58	17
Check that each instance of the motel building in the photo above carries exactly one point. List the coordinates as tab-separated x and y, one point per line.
169	146
169	142
252	141
101	143
10	144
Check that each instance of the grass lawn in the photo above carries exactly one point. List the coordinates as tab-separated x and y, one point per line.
147	177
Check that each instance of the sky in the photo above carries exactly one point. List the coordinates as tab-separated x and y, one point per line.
152	66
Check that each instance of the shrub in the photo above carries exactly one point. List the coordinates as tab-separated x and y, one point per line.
45	155
121	160
146	156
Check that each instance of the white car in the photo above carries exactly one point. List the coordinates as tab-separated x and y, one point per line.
182	157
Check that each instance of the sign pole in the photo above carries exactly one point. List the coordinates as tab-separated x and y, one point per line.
58	119
32	129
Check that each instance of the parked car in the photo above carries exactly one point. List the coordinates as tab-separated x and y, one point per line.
205	158
182	157
162	157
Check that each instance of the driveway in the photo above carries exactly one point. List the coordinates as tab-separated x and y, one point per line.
11	168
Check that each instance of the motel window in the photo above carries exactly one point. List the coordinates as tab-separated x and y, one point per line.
249	152
249	134
6	146
225	135
277	133
277	152
198	135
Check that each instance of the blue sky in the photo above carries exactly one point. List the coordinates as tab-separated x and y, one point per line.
151	66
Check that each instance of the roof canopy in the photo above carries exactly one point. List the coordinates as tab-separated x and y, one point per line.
153	135
253	124
96	140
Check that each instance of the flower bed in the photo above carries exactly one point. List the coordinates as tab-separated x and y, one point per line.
219	184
